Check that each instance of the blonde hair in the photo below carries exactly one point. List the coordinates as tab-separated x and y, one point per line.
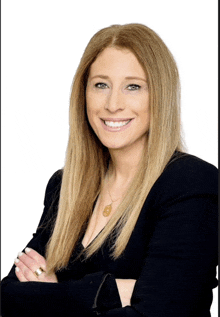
87	159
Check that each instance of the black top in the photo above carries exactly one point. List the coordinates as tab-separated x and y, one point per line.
172	253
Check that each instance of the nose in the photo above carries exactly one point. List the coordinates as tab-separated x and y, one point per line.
114	101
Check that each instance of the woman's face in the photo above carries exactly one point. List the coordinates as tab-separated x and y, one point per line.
117	99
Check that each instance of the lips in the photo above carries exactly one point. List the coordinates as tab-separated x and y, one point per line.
116	124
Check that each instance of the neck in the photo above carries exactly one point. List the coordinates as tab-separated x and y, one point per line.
125	163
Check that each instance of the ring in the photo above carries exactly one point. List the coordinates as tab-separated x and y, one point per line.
39	271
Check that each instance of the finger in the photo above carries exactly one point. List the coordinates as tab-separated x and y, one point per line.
27	272
28	261
38	258
20	275
34	262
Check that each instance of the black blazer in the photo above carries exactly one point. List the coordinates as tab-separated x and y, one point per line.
172	253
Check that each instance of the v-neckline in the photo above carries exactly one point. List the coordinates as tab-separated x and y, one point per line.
86	229
92	239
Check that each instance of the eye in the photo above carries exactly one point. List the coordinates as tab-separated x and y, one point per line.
133	87
101	85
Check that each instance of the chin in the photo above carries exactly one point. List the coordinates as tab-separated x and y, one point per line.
116	146
113	145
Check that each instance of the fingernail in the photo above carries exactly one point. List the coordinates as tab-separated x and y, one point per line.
27	250
17	260
20	254
17	269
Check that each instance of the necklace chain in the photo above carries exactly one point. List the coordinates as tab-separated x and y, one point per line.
108	208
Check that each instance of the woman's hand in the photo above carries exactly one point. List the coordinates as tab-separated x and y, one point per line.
125	289
31	266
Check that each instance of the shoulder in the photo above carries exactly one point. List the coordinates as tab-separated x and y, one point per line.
186	170
183	166
181	159
53	188
186	175
51	201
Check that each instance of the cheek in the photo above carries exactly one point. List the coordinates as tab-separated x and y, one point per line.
89	105
91	110
93	102
141	106
146	106
144	112
90	115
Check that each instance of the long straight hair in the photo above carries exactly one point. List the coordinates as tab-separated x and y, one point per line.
87	159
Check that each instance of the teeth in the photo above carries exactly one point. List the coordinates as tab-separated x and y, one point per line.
116	124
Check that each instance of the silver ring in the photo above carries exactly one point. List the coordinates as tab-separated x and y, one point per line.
39	271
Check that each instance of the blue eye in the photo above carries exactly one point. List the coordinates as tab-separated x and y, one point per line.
101	86
133	87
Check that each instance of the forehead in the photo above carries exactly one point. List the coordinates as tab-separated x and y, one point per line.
116	62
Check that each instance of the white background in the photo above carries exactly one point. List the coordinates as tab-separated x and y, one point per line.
42	43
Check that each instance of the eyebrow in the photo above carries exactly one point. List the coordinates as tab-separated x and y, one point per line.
128	77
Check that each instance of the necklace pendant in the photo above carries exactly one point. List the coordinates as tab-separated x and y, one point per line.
107	210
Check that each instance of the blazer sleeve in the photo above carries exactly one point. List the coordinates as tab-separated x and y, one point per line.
72	298
180	267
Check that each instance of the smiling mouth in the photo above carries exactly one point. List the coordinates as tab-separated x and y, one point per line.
116	124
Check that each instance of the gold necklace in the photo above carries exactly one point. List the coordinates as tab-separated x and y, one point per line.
108	208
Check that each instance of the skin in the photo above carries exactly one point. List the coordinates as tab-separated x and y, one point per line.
29	262
116	90
112	94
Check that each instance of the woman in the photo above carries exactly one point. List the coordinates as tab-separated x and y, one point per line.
129	226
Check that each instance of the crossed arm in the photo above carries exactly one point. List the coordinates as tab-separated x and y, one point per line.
177	276
30	261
